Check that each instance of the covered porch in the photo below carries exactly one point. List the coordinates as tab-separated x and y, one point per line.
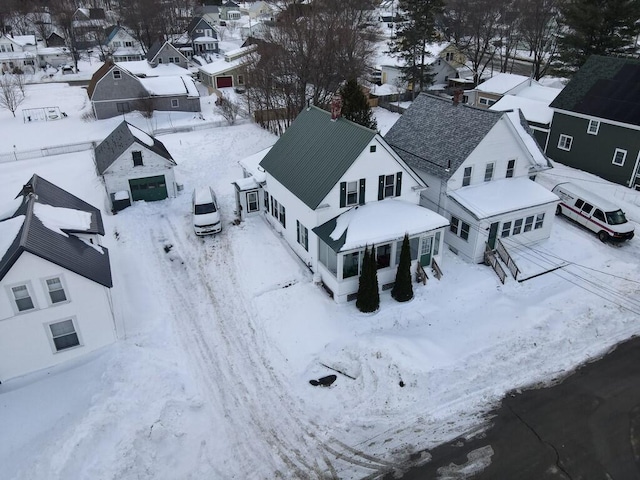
382	226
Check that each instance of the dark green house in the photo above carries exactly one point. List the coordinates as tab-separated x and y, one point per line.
596	120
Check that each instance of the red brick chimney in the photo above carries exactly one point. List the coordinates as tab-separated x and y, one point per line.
336	107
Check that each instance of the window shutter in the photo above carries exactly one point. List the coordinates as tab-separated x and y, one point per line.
398	183
298	231
361	194
380	187
343	194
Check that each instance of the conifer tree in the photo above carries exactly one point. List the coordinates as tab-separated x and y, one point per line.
355	106
403	289
594	27
368	295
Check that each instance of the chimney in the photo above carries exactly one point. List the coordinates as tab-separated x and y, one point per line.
336	107
457	96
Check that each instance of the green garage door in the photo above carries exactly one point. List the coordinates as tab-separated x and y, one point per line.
148	189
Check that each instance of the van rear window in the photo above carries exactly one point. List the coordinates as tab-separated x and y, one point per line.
203	208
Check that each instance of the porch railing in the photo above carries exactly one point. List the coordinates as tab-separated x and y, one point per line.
436	269
491	259
507	259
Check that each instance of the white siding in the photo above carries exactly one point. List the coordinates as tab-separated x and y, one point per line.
117	176
25	341
499	146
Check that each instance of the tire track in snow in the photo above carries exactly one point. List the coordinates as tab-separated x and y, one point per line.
282	432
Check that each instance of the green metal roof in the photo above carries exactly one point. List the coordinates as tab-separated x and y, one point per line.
314	153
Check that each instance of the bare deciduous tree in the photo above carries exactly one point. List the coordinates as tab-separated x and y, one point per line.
539	28
305	57
11	95
229	108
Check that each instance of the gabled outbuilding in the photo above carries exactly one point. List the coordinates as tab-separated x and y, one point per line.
134	166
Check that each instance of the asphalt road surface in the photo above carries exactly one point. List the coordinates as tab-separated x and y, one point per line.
585	428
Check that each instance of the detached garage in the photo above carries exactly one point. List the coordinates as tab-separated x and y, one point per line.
134	166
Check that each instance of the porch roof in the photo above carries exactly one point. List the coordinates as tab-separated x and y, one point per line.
502	196
377	222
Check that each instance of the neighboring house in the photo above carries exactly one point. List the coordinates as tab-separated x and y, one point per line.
116	90
55	280
493	89
55	40
164	53
210	13
477	164
331	188
596	120
122	46
450	70
54	56
533	101
225	73
229	11
204	37
18	51
88	25
260	10
134	166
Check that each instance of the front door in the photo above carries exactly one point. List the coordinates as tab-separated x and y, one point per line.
425	251
493	233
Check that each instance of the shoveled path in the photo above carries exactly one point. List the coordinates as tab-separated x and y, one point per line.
587	427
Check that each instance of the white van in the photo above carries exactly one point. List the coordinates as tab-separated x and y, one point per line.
592	211
204	208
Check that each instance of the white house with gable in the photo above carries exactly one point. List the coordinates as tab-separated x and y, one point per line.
479	165
134	166
55	280
332	188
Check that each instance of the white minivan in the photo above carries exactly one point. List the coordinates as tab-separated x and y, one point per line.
206	216
598	214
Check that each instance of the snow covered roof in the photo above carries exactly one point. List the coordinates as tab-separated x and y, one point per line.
251	165
501	196
204	39
143	68
539	92
125	134
248	183
219	66
523	131
378	222
501	83
180	85
44	225
385	89
533	110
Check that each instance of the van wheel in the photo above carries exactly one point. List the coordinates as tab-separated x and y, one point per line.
603	236
558	210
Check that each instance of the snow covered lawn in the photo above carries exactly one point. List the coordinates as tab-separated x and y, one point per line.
221	336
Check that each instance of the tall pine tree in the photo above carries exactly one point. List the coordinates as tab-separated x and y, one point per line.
412	39
596	27
355	105
403	289
368	295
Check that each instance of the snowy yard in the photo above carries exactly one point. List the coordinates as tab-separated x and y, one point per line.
221	335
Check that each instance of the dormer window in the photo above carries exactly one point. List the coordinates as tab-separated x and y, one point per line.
117	74
137	159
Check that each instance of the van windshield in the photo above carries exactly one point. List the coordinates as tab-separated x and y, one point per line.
203	208
616	218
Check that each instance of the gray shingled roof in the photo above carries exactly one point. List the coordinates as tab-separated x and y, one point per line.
153	51
604	87
118	141
67	251
436	136
314	153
